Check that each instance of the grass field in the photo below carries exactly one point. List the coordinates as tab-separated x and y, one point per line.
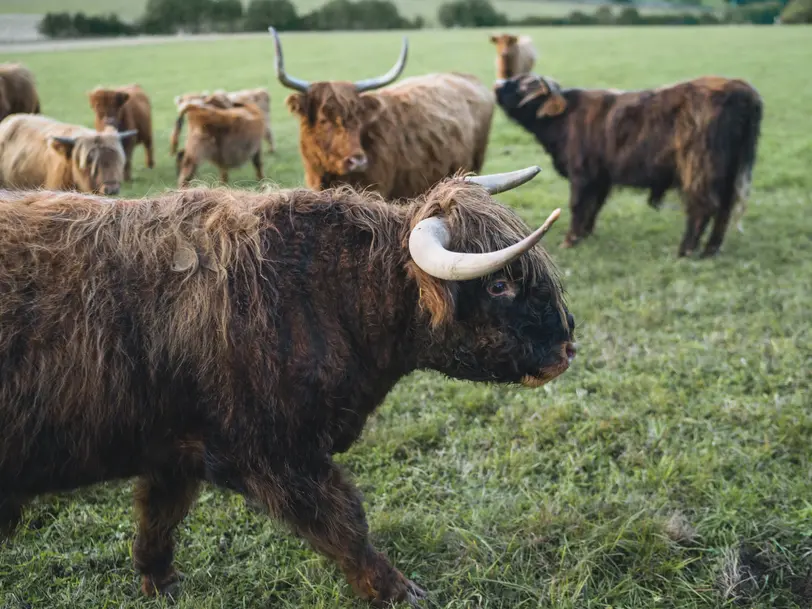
669	468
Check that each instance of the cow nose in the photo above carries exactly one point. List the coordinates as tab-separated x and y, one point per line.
357	162
110	189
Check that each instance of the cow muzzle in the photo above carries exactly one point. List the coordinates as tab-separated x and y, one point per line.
110	188
356	163
560	366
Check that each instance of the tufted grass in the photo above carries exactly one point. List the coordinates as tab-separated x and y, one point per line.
669	468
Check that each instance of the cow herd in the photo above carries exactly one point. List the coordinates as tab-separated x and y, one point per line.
243	338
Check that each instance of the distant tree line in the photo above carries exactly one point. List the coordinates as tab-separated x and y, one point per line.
481	13
195	16
172	16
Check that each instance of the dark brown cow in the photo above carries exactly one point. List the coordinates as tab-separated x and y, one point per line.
244	338
398	141
125	108
698	136
18	90
228	137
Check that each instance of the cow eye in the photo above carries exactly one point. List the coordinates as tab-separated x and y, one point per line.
498	288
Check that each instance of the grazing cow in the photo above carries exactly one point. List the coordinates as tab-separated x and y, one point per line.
18	90
125	108
244	338
39	152
227	137
699	136
398	141
515	55
225	99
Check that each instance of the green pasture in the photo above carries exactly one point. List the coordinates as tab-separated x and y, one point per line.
670	467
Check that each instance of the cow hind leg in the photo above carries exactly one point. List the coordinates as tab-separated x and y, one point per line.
257	161
149	153
269	139
161	503
224	175
322	506
697	222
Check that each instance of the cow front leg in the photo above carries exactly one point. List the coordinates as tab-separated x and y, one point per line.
186	168
325	508
149	153
11	511
586	198
161	503
698	218
269	139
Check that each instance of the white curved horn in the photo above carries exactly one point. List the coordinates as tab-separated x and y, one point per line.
430	238
297	84
502	182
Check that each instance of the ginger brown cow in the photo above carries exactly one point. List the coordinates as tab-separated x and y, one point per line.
398	141
227	137
40	152
125	108
244	338
699	136
225	99
515	55
18	90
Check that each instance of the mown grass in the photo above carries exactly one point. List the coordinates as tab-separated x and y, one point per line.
670	467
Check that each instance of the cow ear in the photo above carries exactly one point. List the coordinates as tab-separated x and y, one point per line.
553	106
62	145
121	98
296	104
494	39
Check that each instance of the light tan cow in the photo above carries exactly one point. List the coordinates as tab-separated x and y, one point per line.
40	152
226	137
226	99
515	55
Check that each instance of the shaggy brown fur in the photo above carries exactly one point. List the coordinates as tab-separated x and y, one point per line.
698	136
399	140
515	55
125	108
18	90
227	137
224	99
243	339
31	158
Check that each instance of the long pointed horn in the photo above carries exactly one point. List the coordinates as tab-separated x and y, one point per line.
289	81
65	141
502	182
125	134
390	76
430	238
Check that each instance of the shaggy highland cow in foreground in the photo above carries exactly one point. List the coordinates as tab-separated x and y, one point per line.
698	136
244	338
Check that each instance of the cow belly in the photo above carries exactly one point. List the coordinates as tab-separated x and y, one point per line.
236	153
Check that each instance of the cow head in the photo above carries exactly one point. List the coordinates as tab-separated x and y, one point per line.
96	160
529	97
505	53
333	116
496	306
107	104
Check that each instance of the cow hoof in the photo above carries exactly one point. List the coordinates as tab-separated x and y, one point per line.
414	594
168	586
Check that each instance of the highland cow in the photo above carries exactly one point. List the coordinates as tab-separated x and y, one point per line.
228	137
515	55
224	99
18	90
398	141
125	108
698	136
244	338
40	152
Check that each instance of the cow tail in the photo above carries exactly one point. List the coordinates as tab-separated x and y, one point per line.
173	140
747	148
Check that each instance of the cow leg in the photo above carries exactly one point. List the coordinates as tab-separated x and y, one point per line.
698	218
717	235
224	176
599	196
586	199
128	173
186	168
161	503
322	506
11	511
257	161
150	156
